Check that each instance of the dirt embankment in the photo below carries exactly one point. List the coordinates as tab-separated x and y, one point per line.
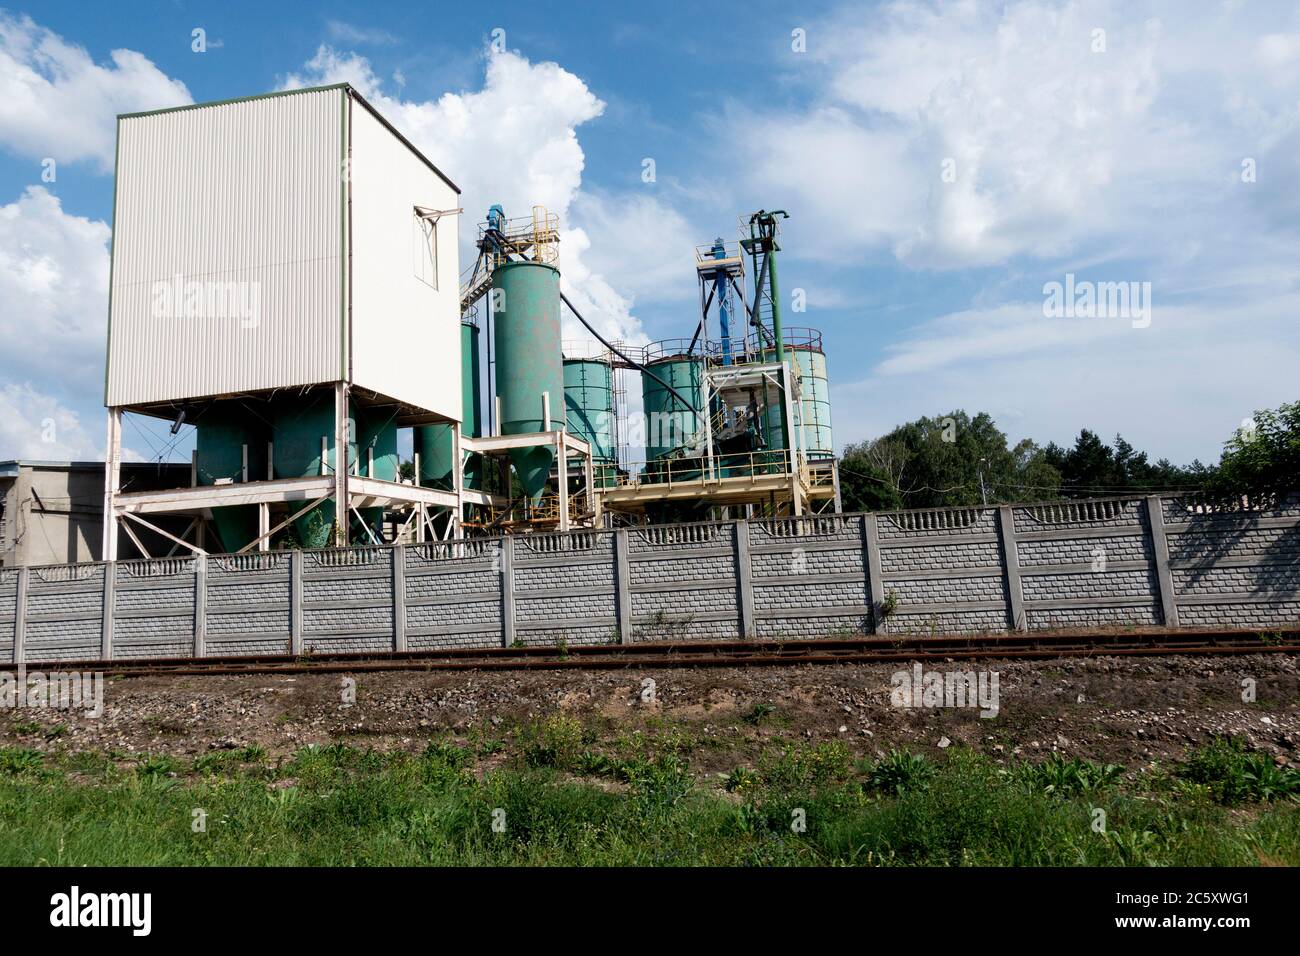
1123	710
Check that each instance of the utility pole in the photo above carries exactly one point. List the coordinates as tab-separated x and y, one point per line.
984	494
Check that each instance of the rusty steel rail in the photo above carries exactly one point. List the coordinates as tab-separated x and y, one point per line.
685	653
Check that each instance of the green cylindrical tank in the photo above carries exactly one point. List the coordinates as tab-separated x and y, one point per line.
815	405
814	409
669	425
220	439
376	456
589	404
526	316
299	426
433	442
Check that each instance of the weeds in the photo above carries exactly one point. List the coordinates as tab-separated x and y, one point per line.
1066	777
1233	775
20	760
899	772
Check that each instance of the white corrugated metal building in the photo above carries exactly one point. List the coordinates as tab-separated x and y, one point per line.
281	242
273	242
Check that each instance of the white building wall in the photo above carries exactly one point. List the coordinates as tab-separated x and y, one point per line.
243	197
405	332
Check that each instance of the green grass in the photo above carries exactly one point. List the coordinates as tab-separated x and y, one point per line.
560	798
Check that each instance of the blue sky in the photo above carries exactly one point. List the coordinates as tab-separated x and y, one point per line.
941	164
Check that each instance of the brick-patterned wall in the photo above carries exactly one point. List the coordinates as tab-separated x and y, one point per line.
1087	564
453	595
64	608
564	588
942	571
1130	561
153	608
683	582
820	559
347	600
1233	569
8	601
248	604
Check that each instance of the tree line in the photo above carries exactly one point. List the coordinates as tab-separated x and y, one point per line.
959	459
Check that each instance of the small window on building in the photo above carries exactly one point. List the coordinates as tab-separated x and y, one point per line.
426	251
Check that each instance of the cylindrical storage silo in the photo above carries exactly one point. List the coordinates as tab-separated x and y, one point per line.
803	349
433	442
670	426
526	319
589	406
815	403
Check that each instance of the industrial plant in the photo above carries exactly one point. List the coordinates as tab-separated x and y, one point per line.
286	279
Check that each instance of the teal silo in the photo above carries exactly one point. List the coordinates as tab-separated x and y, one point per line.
526	319
814	405
670	426
299	425
433	443
589	407
219	442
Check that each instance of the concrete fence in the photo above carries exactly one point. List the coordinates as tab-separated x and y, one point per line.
1112	562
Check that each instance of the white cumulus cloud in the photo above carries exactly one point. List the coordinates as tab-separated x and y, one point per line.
35	425
513	142
53	293
966	134
57	102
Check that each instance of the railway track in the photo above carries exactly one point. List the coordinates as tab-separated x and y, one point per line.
683	653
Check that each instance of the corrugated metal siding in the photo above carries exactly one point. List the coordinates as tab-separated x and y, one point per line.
247	192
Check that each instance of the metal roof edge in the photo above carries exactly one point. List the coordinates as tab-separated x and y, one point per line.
356	95
234	99
347	87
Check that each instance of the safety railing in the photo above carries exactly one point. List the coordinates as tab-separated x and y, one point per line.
700	470
819	473
545	510
731	249
678	348
757	348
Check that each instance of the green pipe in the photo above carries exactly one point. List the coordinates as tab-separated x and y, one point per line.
775	291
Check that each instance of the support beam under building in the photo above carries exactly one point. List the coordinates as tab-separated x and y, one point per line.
112	482
341	435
